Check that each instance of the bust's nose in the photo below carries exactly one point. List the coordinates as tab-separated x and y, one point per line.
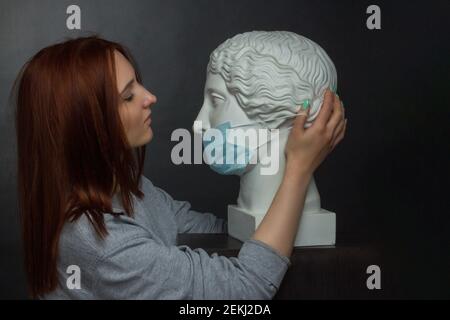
202	123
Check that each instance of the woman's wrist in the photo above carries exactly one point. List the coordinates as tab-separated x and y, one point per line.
297	172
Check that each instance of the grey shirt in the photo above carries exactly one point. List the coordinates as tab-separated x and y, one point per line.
140	259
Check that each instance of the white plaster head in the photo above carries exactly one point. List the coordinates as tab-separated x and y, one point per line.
264	77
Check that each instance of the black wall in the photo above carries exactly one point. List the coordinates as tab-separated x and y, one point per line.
387	181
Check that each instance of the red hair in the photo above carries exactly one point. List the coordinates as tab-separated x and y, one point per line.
71	148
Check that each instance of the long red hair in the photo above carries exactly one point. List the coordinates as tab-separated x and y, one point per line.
71	148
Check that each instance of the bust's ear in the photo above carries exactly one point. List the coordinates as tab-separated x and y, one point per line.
315	107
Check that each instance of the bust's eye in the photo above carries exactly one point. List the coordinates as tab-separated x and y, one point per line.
217	99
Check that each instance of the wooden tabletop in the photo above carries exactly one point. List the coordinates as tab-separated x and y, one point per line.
326	272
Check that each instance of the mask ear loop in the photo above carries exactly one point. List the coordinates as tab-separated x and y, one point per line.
306	104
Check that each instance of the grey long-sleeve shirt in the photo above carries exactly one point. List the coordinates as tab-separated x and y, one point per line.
139	259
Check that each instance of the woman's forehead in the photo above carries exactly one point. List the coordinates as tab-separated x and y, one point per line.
124	69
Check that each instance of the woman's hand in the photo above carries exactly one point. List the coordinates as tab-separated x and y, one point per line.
307	148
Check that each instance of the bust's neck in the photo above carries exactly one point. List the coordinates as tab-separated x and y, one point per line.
257	189
259	185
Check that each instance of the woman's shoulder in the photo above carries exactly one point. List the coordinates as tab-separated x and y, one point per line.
79	238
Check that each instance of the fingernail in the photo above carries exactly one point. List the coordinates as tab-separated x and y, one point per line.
305	104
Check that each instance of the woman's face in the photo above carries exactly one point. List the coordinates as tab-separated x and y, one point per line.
135	103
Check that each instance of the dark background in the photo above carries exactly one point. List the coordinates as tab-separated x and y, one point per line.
387	181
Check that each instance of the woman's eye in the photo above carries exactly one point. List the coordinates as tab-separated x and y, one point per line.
129	98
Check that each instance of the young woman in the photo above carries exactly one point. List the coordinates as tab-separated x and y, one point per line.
83	119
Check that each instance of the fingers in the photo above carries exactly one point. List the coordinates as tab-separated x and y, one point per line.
338	131
340	135
326	110
339	128
337	117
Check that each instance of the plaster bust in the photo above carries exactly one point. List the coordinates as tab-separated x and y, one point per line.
259	80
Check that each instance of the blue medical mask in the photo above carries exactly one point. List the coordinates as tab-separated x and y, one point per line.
231	152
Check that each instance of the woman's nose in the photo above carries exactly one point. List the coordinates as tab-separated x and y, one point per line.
150	99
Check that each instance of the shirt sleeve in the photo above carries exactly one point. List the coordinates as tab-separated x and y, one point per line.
143	269
191	221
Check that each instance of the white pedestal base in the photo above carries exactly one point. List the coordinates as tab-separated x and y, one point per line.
315	229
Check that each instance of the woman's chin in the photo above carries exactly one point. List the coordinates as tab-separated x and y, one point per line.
150	134
146	138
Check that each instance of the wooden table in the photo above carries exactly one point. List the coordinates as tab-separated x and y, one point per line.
331	272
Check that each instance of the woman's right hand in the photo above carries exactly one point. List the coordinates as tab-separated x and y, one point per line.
307	148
